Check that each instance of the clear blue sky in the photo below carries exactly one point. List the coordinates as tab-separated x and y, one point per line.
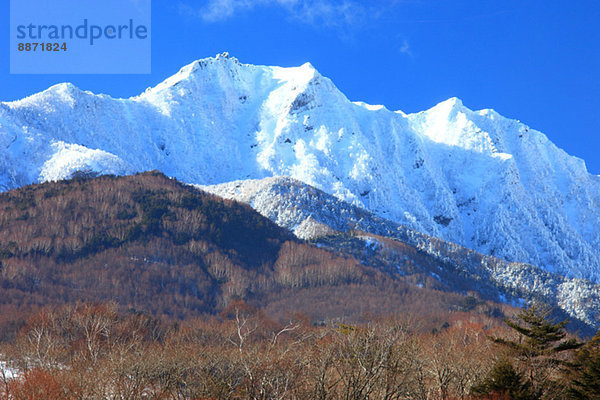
533	60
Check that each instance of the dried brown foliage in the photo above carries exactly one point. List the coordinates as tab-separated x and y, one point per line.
150	243
94	352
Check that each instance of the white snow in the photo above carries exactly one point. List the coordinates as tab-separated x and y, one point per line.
68	159
370	242
7	372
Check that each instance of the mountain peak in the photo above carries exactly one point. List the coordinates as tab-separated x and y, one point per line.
67	87
222	61
468	177
455	101
223	55
453	104
64	92
308	65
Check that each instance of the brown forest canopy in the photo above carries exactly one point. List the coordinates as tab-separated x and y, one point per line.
150	243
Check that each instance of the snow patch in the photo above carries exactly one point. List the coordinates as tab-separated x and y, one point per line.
69	160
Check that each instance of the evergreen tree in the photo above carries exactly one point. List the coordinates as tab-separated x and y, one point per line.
586	374
543	348
506	382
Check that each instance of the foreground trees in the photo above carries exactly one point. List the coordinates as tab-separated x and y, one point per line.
505	382
586	372
543	353
95	352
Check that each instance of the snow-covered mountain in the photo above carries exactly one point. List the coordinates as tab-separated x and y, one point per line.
471	177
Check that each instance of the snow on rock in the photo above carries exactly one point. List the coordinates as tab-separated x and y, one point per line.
471	177
70	160
311	229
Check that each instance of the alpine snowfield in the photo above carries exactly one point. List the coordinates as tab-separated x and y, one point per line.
470	177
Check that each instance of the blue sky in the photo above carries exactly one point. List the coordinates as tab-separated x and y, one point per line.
536	61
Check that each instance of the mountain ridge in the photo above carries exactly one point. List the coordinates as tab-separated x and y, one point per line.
470	177
318	217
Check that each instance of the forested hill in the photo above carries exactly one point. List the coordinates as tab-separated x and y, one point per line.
153	244
144	240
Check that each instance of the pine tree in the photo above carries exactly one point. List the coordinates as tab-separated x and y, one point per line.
586	374
506	382
542	349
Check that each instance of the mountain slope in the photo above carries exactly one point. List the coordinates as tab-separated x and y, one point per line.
312	214
471	177
150	243
144	241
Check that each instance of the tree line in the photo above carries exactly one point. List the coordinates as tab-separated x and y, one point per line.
97	352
